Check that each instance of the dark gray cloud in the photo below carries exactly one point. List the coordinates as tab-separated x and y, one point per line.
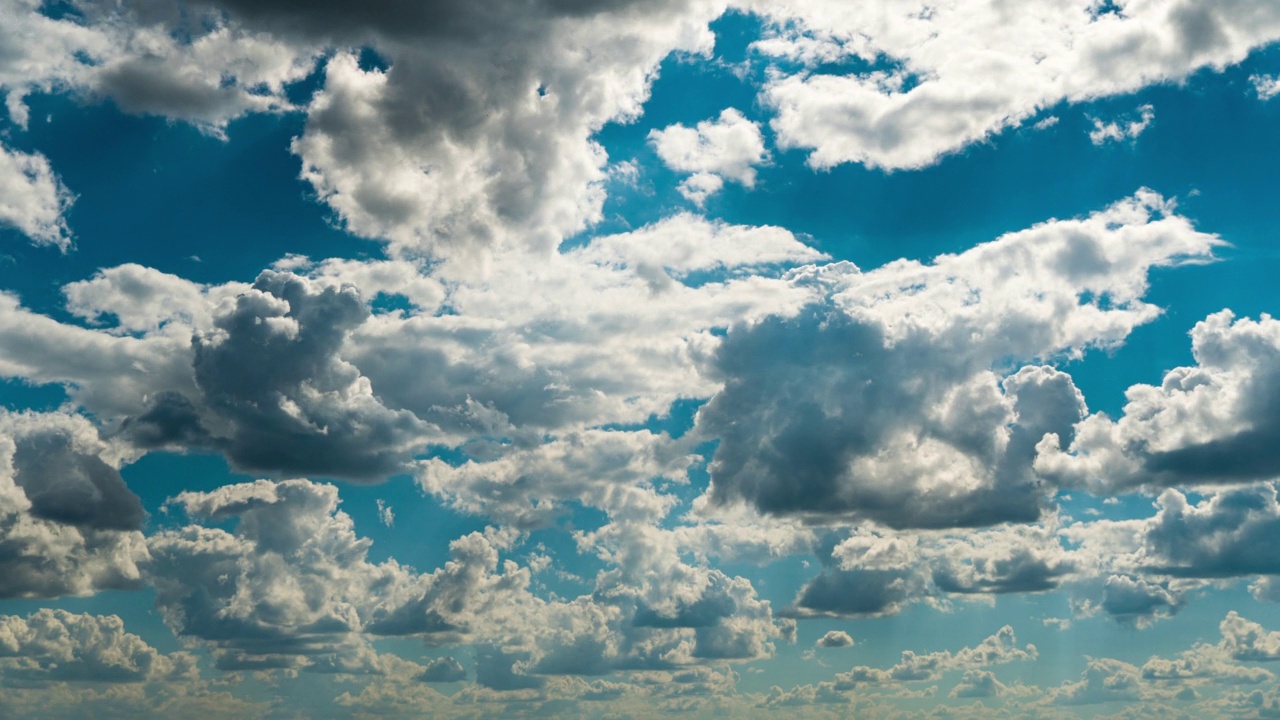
857	592
72	487
275	394
812	405
68	523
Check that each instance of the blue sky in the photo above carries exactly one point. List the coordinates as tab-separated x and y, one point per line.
614	359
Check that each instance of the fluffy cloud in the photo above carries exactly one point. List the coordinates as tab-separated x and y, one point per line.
525	485
881	403
339	389
292	585
273	393
479	135
1212	423
1246	640
727	148
55	645
835	639
997	649
1104	680
33	199
148	59
68	523
930	82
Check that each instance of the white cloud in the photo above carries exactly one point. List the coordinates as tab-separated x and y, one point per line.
961	72
1267	86
727	148
33	199
698	187
1128	128
507	157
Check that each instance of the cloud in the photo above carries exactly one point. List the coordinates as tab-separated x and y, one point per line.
513	95
978	684
1211	423
68	523
275	396
835	639
881	403
527	486
1267	86
699	186
1124	129
1104	680
1248	641
291	584
339	386
912	85
33	199
445	669
727	148
55	645
996	649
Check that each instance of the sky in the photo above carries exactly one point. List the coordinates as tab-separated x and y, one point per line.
623	358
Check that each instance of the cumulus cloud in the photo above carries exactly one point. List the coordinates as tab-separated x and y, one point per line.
55	645
835	639
881	403
926	83
1123	129
1211	423
479	135
1249	641
291	585
33	199
1104	680
68	523
727	148
996	649
273	393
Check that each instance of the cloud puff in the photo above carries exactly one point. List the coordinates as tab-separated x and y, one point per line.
1104	680
292	583
925	83
55	645
1215	422
479	135
882	403
997	649
727	148
835	639
33	199
68	523
274	394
